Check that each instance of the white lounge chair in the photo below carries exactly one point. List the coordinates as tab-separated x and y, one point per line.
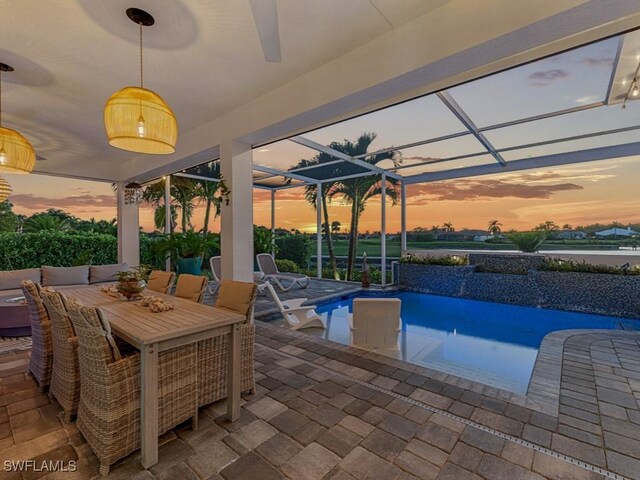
375	323
216	272
267	265
295	314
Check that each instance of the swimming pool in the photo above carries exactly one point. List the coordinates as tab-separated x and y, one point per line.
490	343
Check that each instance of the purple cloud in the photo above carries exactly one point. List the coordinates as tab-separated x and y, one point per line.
544	77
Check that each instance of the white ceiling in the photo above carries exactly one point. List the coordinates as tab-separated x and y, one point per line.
203	56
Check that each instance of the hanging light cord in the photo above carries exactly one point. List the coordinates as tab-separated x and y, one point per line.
141	75
634	83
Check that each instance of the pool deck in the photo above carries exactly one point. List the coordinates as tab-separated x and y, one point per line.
330	411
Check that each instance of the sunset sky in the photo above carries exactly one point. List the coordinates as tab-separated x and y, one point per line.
579	194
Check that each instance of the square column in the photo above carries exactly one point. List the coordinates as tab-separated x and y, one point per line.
128	230
236	166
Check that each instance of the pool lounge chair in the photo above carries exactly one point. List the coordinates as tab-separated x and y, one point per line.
216	272
295	314
375	323
285	281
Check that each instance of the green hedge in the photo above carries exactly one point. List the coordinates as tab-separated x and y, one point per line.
58	249
296	248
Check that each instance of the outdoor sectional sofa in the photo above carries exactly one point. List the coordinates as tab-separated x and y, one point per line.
59	277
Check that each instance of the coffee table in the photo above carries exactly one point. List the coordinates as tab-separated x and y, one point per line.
14	318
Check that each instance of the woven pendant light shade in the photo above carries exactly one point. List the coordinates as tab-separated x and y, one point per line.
5	189
122	115
16	153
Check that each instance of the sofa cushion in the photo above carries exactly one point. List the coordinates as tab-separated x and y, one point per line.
106	273
10	280
54	276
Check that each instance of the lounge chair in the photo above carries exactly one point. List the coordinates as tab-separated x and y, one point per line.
375	323
216	272
268	267
295	314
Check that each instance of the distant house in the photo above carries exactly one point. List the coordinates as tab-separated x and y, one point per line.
482	238
466	235
570	235
617	232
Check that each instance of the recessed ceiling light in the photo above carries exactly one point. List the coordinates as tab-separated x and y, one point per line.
263	150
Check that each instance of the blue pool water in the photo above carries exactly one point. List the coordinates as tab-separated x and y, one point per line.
491	343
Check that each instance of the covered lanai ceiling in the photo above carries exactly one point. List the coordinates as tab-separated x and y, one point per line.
205	58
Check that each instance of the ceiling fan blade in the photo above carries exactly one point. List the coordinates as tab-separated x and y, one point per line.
265	16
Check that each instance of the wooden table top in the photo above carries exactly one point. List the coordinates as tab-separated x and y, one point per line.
135	322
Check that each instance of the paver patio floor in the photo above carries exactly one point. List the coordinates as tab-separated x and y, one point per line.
323	410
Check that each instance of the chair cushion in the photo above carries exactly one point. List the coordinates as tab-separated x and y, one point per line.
54	276
235	296
106	273
190	286
159	281
10	280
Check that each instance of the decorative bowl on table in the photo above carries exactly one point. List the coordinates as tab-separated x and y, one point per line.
131	289
131	283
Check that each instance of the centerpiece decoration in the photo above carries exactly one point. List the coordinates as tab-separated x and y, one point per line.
131	283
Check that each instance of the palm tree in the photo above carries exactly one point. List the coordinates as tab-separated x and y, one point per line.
310	195
549	226
357	191
335	226
159	218
448	227
39	223
494	227
208	192
185	192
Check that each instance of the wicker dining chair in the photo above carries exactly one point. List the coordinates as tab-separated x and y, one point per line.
109	408
191	287
41	360
65	374
238	297
160	281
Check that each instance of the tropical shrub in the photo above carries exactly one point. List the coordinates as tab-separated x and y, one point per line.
558	265
189	244
528	242
262	240
285	265
446	260
296	248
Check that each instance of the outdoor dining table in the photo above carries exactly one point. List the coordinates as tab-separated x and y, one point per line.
152	333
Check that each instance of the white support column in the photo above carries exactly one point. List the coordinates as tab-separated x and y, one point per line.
273	223
167	216
236	165
403	218
319	231
128	230
383	231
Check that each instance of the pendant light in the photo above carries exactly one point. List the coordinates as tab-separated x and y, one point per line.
5	189
138	119
16	153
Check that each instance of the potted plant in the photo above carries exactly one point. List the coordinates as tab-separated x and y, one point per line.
131	283
189	249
